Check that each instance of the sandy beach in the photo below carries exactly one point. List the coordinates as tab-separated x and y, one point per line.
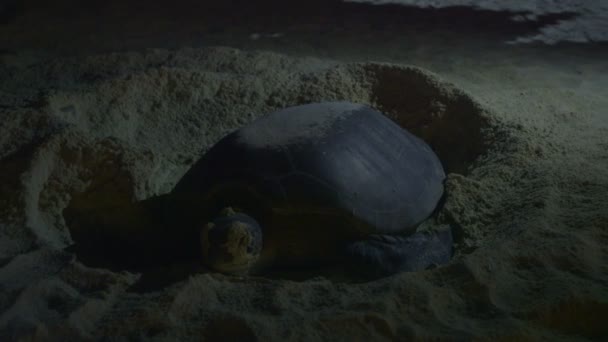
521	130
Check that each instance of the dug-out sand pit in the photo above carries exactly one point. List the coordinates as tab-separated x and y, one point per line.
450	121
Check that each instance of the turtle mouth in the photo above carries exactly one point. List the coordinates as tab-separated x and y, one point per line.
232	268
231	258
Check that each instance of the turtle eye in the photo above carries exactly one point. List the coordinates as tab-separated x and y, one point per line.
249	249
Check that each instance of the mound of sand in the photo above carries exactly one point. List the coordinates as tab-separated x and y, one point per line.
524	194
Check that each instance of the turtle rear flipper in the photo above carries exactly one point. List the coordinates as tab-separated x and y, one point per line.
382	255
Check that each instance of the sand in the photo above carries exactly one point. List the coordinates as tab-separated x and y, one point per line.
526	193
523	136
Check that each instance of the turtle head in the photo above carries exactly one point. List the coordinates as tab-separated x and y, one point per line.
231	243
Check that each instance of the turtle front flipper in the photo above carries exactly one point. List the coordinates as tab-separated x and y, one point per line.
382	255
124	234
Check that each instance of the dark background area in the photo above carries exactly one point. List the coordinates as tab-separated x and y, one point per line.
74	27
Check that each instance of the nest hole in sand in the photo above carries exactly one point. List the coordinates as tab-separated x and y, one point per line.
455	126
452	123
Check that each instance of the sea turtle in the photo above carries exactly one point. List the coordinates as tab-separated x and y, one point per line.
332	183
